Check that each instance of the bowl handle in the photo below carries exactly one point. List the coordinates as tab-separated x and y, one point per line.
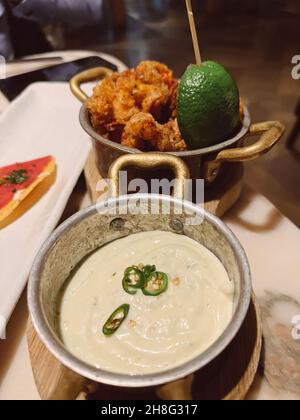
271	132
150	161
91	75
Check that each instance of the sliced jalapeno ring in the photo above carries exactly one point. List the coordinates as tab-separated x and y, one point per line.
148	270
115	320
133	279
128	288
156	284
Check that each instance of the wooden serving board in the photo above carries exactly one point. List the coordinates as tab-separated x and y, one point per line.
229	377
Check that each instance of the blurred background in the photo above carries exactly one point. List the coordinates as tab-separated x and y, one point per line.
255	39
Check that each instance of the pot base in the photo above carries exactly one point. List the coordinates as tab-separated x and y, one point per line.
229	377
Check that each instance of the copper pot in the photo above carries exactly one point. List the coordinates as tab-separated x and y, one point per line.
203	163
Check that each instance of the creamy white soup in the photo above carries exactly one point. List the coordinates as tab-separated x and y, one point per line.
159	332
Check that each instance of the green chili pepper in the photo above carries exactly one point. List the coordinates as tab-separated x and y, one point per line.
148	270
156	284
133	280
128	289
115	320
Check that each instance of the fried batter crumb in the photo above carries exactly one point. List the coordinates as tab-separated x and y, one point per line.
176	281
137	108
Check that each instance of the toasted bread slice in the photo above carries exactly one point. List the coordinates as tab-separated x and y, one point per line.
19	180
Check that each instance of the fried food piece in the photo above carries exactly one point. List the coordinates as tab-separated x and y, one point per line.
154	88
134	108
100	104
173	99
154	73
141	132
124	103
144	133
170	139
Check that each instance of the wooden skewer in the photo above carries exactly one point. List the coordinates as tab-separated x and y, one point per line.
193	31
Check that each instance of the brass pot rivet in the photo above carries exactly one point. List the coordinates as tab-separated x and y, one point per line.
117	224
176	225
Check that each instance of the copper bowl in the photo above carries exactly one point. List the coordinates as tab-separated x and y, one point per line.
204	163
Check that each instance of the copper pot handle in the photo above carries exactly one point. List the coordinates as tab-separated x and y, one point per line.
150	161
91	75
271	132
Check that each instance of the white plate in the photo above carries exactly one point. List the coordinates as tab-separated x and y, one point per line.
42	121
17	68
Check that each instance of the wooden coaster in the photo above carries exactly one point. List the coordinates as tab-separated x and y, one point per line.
229	377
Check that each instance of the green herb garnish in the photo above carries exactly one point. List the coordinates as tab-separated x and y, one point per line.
156	284
2	182
150	281
133	280
148	270
115	320
17	177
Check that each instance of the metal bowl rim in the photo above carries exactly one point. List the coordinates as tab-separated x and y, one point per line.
85	122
